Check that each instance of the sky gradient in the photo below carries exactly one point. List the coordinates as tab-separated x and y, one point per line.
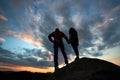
26	24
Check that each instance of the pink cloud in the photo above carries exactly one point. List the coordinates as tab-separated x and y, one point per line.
2	39
3	18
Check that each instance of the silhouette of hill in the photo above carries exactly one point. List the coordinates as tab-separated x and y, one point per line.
23	75
88	69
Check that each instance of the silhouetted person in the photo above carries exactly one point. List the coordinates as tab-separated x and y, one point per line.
73	38
56	38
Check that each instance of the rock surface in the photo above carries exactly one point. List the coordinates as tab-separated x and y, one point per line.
88	69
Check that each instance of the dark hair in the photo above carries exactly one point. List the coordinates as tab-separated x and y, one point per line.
72	30
57	29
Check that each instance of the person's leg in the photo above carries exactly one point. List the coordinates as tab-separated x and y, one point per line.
75	48
64	54
56	57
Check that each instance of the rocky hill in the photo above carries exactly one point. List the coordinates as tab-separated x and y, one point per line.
23	75
88	69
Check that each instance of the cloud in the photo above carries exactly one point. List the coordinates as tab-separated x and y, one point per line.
81	5
33	58
97	24
12	67
7	66
90	21
3	18
2	40
7	56
27	36
63	9
116	9
77	19
3	25
111	33
38	58
21	5
105	6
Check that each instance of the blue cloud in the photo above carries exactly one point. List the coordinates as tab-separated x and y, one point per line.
29	58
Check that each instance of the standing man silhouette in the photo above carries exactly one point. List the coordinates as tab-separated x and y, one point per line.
56	38
73	38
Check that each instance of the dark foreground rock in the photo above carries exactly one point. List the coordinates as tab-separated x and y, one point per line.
23	75
88	69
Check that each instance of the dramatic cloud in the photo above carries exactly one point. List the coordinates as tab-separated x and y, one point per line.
91	21
26	36
33	58
96	21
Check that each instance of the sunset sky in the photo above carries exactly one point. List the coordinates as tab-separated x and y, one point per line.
26	24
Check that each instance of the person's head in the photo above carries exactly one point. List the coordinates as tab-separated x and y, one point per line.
71	30
57	29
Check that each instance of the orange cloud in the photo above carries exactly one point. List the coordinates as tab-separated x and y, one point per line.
25	68
33	69
7	66
27	36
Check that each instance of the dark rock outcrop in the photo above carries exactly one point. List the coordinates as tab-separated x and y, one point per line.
88	69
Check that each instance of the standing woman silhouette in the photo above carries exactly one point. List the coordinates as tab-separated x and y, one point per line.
73	38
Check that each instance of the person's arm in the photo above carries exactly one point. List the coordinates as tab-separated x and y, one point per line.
77	38
65	37
50	37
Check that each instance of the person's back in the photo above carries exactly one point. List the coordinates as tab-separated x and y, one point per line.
57	35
